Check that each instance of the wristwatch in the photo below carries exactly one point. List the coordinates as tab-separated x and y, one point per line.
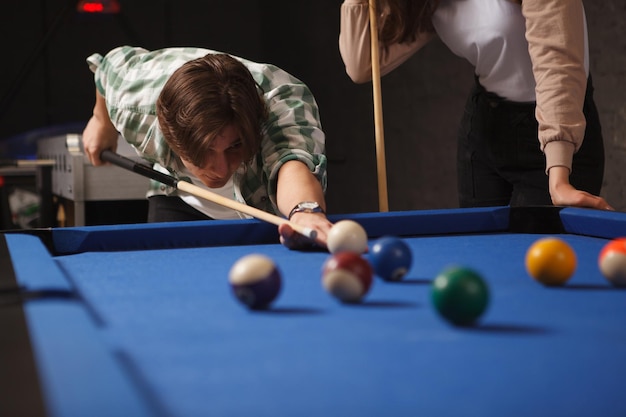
306	207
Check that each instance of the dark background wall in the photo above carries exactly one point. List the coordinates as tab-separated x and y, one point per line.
45	82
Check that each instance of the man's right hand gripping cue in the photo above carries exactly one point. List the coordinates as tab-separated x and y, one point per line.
99	134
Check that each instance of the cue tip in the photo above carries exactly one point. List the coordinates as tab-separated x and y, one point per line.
310	233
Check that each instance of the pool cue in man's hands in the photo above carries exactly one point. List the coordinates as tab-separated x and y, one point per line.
146	171
379	130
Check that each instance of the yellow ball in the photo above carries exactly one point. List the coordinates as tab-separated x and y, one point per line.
551	261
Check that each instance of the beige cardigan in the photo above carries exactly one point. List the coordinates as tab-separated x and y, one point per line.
554	30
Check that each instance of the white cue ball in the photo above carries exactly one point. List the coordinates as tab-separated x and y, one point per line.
347	236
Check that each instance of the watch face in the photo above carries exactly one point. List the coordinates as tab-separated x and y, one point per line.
308	205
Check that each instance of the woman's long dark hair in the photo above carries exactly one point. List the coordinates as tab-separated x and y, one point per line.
402	20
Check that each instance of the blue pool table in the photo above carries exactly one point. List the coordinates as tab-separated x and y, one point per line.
139	320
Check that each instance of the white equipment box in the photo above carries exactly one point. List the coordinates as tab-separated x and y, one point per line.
74	178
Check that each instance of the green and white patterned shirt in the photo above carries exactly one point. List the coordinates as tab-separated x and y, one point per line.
130	79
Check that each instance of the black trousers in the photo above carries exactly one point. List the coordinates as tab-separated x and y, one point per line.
499	159
162	208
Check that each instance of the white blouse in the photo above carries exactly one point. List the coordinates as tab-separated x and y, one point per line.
490	34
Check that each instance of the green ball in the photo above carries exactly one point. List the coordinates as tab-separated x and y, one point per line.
460	295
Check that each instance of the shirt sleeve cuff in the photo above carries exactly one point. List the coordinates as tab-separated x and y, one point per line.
559	153
94	62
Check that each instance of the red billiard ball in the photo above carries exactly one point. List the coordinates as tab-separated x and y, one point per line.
460	295
612	262
391	258
347	276
255	281
347	236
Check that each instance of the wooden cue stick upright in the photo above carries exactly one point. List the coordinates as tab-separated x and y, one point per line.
379	132
190	188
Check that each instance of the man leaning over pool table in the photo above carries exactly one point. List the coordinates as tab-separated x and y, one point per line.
244	130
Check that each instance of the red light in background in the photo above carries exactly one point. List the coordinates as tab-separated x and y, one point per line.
92	8
98	6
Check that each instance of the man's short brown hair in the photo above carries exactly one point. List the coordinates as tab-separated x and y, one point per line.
204	96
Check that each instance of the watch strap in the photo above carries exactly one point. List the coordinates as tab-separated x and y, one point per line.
306	207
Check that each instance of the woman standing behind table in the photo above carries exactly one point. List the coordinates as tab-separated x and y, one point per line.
530	134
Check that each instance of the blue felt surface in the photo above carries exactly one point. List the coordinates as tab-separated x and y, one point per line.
251	231
162	235
538	351
79	373
34	269
599	223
